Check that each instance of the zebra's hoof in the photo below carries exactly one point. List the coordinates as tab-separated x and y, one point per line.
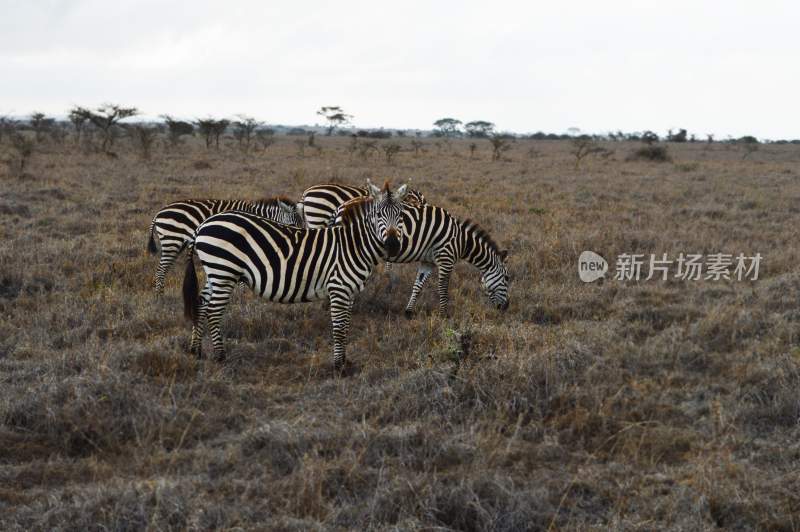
344	369
197	352
220	357
409	314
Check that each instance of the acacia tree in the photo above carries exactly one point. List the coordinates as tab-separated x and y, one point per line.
479	128
335	116
212	129
244	129
40	124
176	129
106	118
584	146
500	145
79	117
447	127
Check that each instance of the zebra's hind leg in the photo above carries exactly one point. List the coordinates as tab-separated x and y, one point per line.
169	253
341	312
199	325
424	271
219	296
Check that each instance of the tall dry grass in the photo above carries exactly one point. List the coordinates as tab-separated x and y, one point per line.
624	405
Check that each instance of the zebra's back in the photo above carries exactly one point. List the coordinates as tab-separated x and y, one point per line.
278	262
321	201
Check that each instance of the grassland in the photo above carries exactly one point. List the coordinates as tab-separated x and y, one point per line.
651	405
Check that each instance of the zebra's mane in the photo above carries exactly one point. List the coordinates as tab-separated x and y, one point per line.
480	234
351	209
275	200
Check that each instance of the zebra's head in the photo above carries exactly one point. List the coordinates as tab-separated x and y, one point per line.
495	280
289	214
387	218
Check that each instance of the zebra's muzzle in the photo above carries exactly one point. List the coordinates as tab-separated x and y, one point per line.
392	244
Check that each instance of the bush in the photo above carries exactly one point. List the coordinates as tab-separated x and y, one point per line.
651	153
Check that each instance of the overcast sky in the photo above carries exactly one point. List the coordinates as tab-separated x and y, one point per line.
728	67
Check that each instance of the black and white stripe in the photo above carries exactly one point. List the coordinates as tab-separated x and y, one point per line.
174	225
319	203
291	265
437	240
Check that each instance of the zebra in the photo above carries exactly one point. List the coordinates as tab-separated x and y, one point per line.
174	225
319	202
291	265
436	239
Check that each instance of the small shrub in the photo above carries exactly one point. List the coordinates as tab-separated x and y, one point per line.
651	152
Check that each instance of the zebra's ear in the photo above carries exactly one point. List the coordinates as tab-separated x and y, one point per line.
286	207
503	255
401	192
374	191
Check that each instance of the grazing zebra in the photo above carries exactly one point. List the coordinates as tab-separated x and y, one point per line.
291	265
175	224
319	203
438	240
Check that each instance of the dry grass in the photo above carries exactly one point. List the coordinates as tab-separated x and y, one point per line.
627	405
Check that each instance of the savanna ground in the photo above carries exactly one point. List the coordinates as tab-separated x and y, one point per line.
658	404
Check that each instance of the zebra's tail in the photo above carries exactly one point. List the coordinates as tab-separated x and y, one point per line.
151	244
190	288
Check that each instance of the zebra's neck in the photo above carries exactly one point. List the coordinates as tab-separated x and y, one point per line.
476	247
359	243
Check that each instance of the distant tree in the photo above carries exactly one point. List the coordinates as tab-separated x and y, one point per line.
472	148
40	124
390	150
79	117
177	129
479	128
709	137
573	131
205	126
243	130
312	139
106	118
648	137
447	127
680	136
500	145
584	146
143	138
750	144
335	117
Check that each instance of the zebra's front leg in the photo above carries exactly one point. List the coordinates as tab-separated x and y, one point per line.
443	287
424	271
341	312
199	325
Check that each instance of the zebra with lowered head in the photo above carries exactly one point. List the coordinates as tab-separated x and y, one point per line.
320	202
174	225
291	265
437	240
